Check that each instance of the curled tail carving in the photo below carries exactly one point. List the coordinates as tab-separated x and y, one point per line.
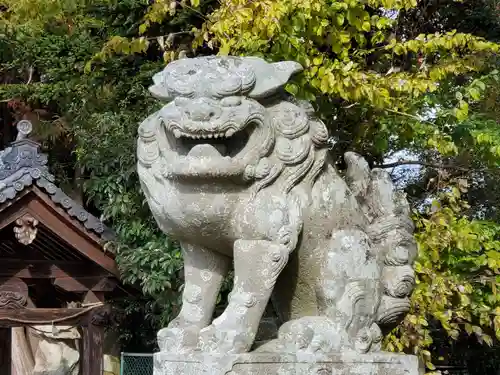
391	233
369	278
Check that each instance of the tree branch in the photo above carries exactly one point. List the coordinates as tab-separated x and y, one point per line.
418	162
31	70
433	165
409	115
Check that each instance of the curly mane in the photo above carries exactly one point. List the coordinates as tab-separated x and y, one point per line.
299	152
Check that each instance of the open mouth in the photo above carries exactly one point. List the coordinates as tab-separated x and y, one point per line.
228	144
188	144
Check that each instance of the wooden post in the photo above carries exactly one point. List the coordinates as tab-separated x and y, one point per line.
5	351
93	339
13	296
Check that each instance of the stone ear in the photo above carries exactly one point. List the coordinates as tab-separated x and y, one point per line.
159	90
270	77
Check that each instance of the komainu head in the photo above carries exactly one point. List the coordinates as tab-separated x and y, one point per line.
215	122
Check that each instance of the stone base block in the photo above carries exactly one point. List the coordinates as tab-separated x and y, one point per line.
287	364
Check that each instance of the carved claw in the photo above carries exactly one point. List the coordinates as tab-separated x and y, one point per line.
216	340
177	338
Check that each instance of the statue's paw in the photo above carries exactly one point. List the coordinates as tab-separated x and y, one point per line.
313	335
178	339
215	339
297	335
368	339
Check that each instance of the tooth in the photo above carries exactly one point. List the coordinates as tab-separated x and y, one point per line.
210	136
177	133
229	132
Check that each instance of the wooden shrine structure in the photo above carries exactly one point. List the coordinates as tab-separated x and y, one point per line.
53	269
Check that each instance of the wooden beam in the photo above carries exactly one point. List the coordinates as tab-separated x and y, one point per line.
45	269
5	351
93	297
79	241
85	284
13	209
34	316
66	217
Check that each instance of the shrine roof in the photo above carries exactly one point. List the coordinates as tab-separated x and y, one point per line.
48	225
23	166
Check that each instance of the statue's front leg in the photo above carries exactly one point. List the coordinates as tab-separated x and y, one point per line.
204	272
257	265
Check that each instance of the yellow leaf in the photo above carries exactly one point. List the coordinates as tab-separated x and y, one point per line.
292	89
88	67
345	37
340	19
224	49
488	340
474	93
143	28
318	60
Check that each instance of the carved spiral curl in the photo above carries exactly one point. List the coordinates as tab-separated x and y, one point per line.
293	151
398	281
397	256
318	132
290	121
212	76
392	310
12	300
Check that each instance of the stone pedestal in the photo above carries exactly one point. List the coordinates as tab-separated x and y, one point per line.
287	364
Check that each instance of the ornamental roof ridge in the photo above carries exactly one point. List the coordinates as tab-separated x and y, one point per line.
23	165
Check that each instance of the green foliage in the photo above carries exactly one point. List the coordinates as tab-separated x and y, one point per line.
385	76
458	272
101	111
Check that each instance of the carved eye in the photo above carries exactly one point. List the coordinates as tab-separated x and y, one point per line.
231	101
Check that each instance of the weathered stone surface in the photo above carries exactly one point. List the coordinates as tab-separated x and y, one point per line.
237	170
286	364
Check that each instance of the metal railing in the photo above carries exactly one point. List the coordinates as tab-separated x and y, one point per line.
136	364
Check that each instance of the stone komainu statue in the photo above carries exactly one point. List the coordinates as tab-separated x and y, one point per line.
237	170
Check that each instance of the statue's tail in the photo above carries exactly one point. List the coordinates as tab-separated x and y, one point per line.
391	236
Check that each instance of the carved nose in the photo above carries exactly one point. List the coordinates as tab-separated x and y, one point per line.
201	111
